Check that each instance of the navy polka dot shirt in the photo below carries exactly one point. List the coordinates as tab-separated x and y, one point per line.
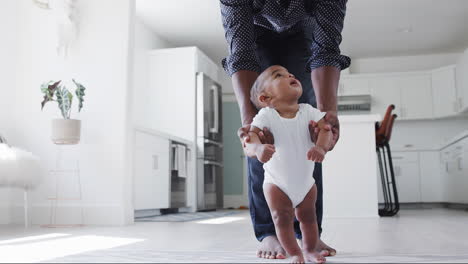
325	17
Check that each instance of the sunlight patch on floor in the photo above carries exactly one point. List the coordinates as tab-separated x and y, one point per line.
31	238
221	220
60	247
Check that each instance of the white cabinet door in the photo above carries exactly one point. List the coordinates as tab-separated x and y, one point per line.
464	168
455	188
416	96
444	92
151	172
407	176
354	86
462	82
444	157
432	184
384	92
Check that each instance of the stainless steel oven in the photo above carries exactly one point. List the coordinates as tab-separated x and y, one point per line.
209	144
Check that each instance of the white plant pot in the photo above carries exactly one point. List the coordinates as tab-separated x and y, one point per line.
66	131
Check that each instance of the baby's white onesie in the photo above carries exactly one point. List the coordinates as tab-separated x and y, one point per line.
289	168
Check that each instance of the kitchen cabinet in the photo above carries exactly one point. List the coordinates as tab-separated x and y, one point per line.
407	176
444	97
410	93
431	178
151	171
462	82
353	86
172	81
455	162
188	105
416	96
464	168
384	92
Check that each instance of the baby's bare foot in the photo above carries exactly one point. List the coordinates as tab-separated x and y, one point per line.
314	257
270	248
326	248
297	259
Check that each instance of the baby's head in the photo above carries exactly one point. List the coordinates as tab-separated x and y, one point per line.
275	85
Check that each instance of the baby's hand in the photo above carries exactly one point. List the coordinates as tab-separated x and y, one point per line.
316	154
265	152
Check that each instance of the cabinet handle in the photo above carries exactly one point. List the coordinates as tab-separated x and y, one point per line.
397	157
455	106
459	164
155	162
397	171
446	166
460	103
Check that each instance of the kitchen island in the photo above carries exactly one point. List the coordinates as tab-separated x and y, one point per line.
350	170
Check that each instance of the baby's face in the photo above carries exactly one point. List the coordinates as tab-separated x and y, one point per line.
280	84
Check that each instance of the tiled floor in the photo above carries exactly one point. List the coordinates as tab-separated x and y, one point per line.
424	235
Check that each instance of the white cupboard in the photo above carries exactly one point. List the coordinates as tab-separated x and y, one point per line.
432	181
407	176
416	96
151	171
462	82
410	93
454	163
353	85
444	97
180	66
384	92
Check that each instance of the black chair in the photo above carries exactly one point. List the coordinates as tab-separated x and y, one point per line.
391	204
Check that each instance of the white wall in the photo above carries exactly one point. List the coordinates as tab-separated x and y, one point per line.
8	14
145	40
403	63
99	59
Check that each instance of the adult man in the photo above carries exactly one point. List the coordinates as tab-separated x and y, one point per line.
304	37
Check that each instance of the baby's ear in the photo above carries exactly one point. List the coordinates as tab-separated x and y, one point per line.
263	98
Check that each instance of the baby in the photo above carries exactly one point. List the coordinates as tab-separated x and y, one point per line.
289	187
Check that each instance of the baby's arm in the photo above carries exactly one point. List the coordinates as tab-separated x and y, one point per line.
324	140
255	148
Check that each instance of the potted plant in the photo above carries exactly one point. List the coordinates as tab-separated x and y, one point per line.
65	131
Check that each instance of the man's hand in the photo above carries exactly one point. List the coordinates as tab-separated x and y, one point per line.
266	137
334	124
264	152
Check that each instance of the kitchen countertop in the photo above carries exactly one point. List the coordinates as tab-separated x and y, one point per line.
164	135
435	147
359	118
454	139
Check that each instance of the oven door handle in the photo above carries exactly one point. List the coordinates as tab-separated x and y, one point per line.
214	163
212	142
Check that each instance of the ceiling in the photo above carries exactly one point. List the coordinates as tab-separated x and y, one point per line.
373	28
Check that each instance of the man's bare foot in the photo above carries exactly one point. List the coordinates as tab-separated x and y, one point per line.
297	259
315	257
270	248
325	249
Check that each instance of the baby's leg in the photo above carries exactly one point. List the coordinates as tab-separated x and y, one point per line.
305	214
282	213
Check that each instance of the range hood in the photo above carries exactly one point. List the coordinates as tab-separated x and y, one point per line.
354	102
